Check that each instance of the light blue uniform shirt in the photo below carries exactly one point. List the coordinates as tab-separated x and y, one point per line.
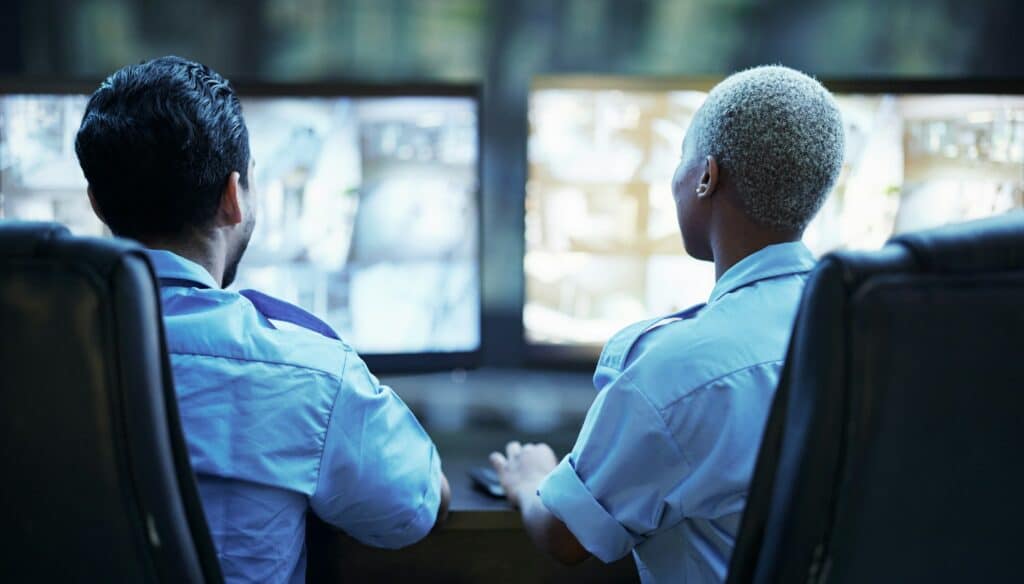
280	417
665	457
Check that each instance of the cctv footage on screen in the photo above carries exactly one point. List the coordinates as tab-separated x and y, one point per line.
366	207
603	247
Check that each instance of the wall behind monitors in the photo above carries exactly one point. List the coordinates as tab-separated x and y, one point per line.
602	244
367	206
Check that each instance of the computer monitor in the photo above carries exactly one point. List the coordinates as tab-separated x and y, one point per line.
603	247
367	205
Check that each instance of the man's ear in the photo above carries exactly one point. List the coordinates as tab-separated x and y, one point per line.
230	212
708	180
95	206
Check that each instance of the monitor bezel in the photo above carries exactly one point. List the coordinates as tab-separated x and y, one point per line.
579	356
378	362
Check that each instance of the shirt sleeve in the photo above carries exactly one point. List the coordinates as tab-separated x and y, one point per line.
615	488
380	474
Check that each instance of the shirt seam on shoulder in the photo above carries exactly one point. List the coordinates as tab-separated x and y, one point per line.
661	418
688	393
264	361
327	426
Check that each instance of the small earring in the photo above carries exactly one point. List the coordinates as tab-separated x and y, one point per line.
702	189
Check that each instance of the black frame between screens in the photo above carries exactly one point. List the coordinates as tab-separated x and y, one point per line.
578	356
377	362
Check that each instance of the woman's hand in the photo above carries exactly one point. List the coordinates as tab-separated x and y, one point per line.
522	468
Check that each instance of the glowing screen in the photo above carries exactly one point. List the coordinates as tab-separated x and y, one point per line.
603	247
366	207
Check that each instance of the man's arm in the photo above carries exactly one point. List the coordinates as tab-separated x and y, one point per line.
521	470
380	475
446	500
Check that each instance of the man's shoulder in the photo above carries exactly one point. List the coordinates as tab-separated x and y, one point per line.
225	325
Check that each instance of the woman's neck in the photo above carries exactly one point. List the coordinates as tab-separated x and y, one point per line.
737	236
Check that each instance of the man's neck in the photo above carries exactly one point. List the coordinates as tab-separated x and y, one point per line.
204	253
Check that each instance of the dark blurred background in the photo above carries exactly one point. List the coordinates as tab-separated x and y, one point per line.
502	44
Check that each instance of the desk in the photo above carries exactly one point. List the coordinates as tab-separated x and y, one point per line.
468	415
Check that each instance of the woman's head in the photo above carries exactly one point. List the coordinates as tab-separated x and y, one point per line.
769	138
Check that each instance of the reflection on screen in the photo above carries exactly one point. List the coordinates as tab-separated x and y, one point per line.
602	244
366	208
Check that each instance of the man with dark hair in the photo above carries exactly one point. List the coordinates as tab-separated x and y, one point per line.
278	420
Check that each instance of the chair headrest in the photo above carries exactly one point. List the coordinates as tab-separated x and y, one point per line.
31	239
986	245
25	238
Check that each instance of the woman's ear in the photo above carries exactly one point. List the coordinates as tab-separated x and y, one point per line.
230	212
708	180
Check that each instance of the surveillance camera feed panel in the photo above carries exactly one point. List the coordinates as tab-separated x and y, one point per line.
366	207
603	247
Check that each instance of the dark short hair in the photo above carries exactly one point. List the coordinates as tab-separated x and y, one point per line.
157	144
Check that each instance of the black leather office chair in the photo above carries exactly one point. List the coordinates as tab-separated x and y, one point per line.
97	484
893	450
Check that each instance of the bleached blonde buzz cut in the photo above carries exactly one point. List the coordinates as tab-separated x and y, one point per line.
778	135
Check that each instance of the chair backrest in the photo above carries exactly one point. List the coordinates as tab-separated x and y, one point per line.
97	484
892	450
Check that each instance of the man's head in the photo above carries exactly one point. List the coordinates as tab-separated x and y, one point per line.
165	151
766	147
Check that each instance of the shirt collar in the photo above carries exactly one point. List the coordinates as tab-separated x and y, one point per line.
171	266
775	260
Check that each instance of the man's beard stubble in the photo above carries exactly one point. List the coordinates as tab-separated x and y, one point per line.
231	268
